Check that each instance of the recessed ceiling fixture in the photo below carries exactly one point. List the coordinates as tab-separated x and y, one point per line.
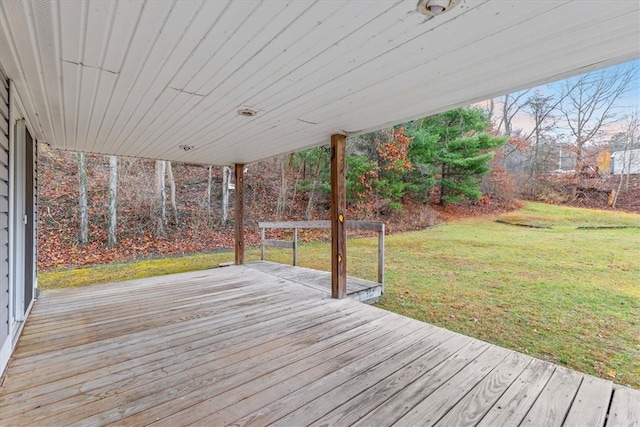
247	112
433	8
186	147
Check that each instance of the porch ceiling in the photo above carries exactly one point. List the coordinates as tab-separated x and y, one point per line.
142	78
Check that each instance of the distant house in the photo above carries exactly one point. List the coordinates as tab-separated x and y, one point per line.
625	162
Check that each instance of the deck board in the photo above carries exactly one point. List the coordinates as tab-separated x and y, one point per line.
239	317
242	346
625	408
384	383
220	381
516	401
351	379
591	403
475	404
155	360
415	392
437	404
228	407
552	405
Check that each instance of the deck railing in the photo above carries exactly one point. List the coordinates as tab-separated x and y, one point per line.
296	225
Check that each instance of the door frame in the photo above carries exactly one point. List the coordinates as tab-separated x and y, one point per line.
19	126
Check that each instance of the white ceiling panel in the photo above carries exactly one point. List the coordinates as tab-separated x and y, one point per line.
140	78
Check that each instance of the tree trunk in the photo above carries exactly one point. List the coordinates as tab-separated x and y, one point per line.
578	168
629	164
441	202
161	197
282	194
307	213
172	188
534	157
293	197
492	107
616	193
82	189
208	201
313	186
505	116
113	193
226	177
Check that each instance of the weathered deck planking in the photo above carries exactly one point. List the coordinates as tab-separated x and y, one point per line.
625	408
350	379
357	289
472	407
151	364
591	403
552	405
436	405
516	401
242	346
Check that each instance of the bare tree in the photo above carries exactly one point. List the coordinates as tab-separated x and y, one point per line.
161	197
491	110
297	174
208	201
172	195
113	196
631	134
82	190
286	164
539	108
226	180
511	106
314	184
590	103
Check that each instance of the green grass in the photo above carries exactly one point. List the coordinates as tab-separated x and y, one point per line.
539	214
567	295
104	273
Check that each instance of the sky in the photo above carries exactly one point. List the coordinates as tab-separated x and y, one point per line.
627	103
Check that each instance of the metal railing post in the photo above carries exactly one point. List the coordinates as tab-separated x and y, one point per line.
381	256
295	247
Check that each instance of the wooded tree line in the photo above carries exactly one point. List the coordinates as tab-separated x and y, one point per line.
571	125
161	202
457	155
440	158
97	208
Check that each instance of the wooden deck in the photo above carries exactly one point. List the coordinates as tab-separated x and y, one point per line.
357	289
239	346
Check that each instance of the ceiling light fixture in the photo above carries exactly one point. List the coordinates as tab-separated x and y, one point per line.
247	112
433	8
186	147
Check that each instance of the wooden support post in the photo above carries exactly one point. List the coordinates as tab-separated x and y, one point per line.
262	244
239	214
338	217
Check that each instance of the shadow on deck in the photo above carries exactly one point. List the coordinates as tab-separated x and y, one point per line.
240	346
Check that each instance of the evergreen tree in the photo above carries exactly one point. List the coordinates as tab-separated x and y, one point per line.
452	150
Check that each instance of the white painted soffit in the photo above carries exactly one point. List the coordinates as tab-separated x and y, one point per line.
141	78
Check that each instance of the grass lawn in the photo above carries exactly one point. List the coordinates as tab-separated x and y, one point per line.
563	294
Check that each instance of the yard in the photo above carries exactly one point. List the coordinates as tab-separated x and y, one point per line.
561	284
